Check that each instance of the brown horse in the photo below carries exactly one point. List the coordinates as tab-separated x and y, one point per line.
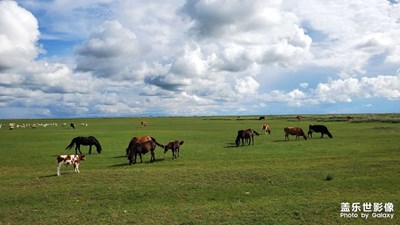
143	124
135	146
142	148
294	131
246	136
174	146
136	140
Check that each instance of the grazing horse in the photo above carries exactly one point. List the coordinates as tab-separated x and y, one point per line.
174	146
245	136
299	118
143	123
266	128
72	125
319	129
261	118
78	141
141	145
136	140
294	131
69	159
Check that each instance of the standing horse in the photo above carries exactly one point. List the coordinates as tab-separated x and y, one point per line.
78	141
294	131
245	136
141	145
136	140
143	124
142	148
174	146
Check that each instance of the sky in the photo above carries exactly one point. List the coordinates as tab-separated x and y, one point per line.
122	58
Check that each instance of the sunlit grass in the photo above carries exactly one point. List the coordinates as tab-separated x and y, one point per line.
212	182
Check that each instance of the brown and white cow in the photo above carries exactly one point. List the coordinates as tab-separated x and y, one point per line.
69	159
266	128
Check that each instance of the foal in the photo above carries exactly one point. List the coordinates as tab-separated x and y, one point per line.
174	146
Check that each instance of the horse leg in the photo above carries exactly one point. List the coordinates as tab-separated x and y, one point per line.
140	155
153	157
78	148
90	149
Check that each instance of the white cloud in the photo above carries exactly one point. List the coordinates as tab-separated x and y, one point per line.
247	85
151	57
351	33
109	51
18	36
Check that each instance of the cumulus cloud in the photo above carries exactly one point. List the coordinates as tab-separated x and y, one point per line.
108	51
18	36
146	57
250	32
247	85
343	90
349	34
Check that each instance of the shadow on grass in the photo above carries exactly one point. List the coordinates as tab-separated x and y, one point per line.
230	145
127	163
48	176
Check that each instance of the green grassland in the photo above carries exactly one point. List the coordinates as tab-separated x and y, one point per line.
212	182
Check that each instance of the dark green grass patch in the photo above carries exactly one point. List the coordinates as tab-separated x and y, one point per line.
212	182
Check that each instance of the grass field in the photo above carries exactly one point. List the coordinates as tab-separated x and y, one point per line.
212	182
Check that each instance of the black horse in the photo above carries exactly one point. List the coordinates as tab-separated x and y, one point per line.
78	141
319	129
246	136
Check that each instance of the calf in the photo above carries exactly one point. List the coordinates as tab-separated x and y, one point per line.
69	159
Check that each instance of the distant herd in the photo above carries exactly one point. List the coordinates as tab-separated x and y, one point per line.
146	144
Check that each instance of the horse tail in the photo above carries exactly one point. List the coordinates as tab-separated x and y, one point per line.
181	143
71	144
154	140
97	144
256	133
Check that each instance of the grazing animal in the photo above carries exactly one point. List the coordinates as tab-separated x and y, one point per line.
349	117
319	129
72	125
136	140
174	146
143	123
299	118
69	159
246	136
261	118
266	128
78	141
294	131
141	145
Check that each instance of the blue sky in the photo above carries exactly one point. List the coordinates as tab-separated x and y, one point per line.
112	58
